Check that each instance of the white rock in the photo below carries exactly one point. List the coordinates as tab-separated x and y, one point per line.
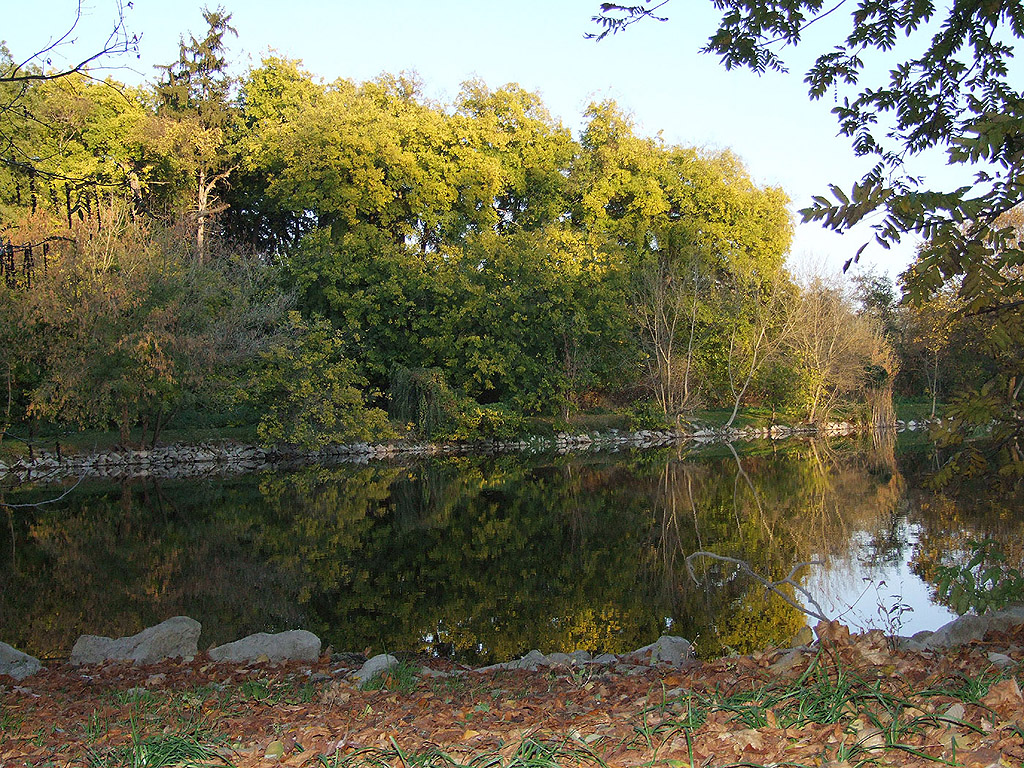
176	637
379	663
667	649
17	664
968	628
532	660
295	644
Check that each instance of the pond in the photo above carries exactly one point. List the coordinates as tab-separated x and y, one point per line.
485	558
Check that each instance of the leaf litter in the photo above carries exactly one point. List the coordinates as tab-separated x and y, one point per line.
846	700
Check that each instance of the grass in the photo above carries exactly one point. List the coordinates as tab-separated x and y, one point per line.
158	751
824	694
400	678
532	752
880	723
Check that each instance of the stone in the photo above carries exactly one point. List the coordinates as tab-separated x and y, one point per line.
17	664
560	659
967	628
605	659
531	661
379	663
788	661
580	657
1001	659
293	645
667	649
175	638
275	750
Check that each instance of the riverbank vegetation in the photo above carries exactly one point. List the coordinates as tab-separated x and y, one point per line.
338	261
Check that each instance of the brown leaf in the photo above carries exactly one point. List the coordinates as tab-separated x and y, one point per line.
1004	697
302	758
832	633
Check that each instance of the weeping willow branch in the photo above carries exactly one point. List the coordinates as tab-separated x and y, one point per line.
815	611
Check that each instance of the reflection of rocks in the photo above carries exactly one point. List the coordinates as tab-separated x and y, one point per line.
17	664
174	638
665	650
296	644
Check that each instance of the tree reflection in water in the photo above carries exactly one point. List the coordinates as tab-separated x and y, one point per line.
480	558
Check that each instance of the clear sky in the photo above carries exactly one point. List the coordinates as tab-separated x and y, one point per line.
654	72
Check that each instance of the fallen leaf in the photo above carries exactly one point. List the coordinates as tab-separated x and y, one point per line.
300	759
1004	695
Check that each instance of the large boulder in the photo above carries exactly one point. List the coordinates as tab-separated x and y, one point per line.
174	638
295	644
17	664
967	628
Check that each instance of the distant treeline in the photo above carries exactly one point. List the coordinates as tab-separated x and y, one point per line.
272	249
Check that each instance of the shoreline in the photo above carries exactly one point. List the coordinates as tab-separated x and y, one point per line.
183	460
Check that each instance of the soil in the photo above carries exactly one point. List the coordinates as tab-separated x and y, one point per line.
843	701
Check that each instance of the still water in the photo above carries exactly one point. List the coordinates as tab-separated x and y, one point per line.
485	558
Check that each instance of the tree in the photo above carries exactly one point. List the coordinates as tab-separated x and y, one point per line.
692	226
930	326
20	78
194	96
838	351
311	394
953	93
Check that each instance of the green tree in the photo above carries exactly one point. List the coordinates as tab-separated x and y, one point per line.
195	103
951	90
276	92
533	152
693	227
310	394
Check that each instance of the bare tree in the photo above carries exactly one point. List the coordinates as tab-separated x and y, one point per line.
38	66
665	302
769	325
839	351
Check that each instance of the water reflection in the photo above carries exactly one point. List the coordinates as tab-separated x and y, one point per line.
481	558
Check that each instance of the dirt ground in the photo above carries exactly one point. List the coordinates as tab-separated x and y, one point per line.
843	701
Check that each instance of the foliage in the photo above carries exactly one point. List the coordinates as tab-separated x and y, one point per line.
310	394
948	88
983	583
538	272
422	398
839	353
195	109
476	422
756	620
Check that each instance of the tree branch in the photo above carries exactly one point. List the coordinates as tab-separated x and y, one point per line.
771	586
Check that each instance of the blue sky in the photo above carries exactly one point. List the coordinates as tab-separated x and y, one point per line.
654	72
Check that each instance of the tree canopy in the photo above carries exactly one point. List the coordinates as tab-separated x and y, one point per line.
948	84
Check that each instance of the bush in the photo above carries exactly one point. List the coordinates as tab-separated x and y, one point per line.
310	394
483	422
985	582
